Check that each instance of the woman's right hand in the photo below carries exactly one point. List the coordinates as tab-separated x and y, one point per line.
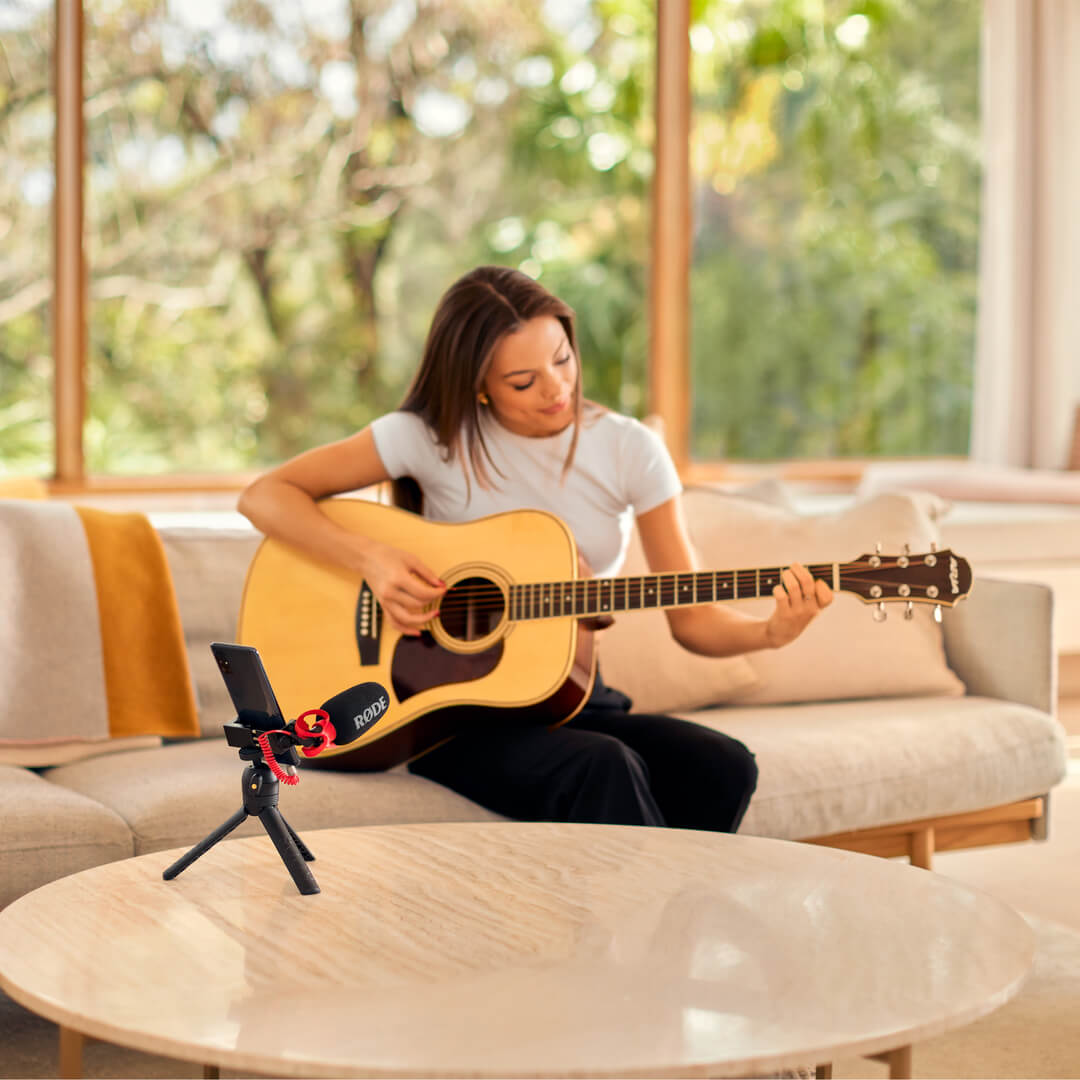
407	589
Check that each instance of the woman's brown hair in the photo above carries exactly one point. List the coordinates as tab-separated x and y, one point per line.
472	317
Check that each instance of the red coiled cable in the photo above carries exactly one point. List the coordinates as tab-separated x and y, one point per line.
263	739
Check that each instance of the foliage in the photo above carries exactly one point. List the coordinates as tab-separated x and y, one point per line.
278	192
834	275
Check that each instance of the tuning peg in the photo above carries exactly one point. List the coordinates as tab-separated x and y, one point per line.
909	610
937	613
880	614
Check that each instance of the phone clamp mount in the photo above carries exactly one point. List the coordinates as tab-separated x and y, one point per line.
259	787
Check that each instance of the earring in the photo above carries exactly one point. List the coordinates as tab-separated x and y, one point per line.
482	398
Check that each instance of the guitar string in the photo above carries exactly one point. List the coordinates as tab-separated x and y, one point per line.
490	599
582	584
822	571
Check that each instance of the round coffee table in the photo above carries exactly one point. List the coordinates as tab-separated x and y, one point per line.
513	950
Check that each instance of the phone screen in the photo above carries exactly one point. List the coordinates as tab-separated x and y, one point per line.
248	684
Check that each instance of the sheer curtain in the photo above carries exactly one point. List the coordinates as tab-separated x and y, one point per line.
1027	368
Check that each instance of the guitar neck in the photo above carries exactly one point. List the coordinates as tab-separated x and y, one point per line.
595	596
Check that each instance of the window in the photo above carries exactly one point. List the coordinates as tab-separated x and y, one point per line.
278	193
836	177
26	191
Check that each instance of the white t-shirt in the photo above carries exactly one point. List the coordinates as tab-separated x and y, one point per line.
620	469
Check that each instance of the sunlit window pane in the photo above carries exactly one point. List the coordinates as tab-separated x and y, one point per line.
279	192
26	191
836	172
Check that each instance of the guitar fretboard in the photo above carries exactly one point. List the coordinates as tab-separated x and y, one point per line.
595	596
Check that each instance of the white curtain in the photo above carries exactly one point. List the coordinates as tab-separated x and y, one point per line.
1027	367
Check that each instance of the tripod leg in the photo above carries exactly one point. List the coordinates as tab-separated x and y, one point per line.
300	845
205	844
275	826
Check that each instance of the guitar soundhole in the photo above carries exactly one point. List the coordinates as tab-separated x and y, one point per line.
471	609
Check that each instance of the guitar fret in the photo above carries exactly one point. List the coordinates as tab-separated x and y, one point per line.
618	594
745	585
685	594
650	597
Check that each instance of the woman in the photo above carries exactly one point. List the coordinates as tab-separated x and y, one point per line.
496	420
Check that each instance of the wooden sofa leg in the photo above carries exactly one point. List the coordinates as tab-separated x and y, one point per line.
71	1053
1040	826
824	1072
922	848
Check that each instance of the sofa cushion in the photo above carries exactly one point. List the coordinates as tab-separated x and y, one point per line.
828	768
49	832
639	656
843	654
208	570
176	795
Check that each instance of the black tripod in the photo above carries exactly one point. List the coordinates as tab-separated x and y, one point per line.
259	787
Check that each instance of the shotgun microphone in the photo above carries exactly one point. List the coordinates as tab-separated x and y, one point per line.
355	710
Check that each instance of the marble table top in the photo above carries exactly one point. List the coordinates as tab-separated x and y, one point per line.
513	950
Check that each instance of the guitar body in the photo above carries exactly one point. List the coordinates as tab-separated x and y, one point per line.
319	631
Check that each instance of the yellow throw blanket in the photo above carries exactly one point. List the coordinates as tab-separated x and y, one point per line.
91	646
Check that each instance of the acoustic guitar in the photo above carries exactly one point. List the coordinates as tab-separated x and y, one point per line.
508	641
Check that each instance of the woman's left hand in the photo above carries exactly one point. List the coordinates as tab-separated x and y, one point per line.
798	600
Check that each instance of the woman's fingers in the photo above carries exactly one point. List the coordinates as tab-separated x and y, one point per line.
824	594
803	589
415	598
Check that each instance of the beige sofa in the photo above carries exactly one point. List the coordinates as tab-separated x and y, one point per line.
895	738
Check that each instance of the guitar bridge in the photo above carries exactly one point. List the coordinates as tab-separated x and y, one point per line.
368	626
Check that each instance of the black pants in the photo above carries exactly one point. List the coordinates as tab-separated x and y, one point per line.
607	765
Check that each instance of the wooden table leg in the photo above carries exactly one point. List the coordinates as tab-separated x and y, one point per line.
898	1060
899	1063
71	1052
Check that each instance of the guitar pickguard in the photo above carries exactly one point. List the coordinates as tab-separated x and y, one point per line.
421	663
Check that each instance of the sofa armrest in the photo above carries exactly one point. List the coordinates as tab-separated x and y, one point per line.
1000	641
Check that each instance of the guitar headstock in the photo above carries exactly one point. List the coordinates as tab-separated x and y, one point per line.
936	577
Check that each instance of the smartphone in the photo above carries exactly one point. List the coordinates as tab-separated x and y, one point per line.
249	686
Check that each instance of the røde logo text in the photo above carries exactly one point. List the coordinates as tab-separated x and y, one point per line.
372	713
